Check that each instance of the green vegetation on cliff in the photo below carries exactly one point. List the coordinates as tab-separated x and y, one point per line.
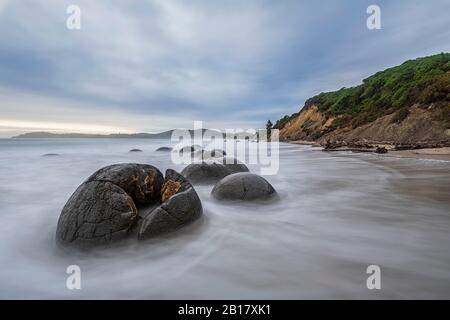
421	81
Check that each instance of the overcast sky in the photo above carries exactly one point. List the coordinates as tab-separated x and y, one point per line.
147	66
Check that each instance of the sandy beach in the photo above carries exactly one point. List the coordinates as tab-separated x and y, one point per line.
429	153
426	153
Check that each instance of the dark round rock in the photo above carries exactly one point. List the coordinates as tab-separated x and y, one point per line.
190	149
103	208
232	164
51	155
141	181
135	150
208	172
180	206
243	186
215	153
164	149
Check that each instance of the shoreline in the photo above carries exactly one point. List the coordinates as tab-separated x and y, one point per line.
439	153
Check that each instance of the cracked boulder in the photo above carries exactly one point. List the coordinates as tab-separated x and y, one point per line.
208	172
180	206
243	186
103	208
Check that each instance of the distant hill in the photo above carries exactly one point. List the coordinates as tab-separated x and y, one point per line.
409	103
45	135
162	135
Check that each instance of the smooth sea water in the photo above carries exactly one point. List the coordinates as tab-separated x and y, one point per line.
337	214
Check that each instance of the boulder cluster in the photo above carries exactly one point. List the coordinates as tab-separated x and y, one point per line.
231	178
106	206
122	200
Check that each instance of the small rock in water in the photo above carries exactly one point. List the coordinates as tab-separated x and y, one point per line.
190	149
135	150
51	155
215	153
180	206
243	186
164	149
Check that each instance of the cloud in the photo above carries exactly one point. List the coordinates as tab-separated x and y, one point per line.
170	62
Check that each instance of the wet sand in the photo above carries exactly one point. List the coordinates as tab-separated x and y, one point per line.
429	153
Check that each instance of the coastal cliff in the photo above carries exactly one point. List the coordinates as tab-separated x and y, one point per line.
407	105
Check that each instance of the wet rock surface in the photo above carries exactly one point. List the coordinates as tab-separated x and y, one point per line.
243	186
209	172
190	149
103	208
135	150
232	164
51	155
215	153
164	149
180	206
141	181
106	207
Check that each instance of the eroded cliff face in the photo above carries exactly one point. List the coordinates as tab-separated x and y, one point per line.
307	125
423	124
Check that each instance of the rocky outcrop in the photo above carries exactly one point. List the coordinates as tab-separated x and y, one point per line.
135	150
406	105
164	149
421	128
243	186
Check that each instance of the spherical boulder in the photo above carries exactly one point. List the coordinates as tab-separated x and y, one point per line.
243	186
215	153
208	172
232	164
103	208
51	155
190	149
142	182
180	206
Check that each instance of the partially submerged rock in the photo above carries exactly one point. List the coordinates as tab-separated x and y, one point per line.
207	172
135	150
180	205
164	149
215	153
51	155
232	164
190	149
141	181
106	206
243	186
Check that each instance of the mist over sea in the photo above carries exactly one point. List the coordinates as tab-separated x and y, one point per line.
338	213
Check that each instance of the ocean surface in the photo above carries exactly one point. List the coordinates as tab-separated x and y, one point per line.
337	214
